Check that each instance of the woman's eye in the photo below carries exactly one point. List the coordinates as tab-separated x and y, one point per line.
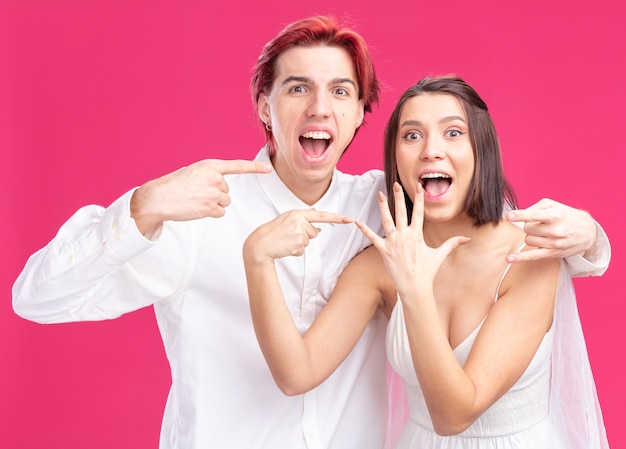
455	133
412	135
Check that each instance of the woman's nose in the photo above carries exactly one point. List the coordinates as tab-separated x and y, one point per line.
432	149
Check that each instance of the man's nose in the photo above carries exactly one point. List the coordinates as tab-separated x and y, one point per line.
320	104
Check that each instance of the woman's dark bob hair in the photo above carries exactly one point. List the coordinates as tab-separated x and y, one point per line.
489	190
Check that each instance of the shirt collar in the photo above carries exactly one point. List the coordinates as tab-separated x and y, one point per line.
284	199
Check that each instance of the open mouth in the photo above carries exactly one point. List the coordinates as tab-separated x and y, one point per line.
435	184
315	143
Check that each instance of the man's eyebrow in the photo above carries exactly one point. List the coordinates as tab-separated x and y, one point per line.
306	79
343	81
296	79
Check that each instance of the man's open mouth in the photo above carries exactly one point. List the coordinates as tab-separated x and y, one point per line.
315	143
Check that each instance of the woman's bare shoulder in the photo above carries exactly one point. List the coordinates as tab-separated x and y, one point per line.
367	270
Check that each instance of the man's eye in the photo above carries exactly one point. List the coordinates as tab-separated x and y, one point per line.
341	91
297	89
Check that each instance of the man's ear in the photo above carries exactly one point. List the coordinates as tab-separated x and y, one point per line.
263	108
361	116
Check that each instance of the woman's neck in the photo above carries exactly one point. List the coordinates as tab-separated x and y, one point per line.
437	232
487	237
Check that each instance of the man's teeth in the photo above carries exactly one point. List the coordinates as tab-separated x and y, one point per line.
316	135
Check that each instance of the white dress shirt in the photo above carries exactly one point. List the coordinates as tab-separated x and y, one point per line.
222	396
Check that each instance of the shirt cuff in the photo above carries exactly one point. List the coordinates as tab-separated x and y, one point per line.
595	261
123	239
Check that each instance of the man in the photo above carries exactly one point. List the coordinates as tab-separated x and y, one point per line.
171	244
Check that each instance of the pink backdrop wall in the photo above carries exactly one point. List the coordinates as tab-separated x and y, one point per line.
99	96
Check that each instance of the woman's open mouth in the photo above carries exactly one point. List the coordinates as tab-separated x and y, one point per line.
435	184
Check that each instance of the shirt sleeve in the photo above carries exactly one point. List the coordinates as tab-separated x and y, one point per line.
96	267
596	260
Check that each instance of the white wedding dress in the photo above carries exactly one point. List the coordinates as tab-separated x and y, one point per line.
553	405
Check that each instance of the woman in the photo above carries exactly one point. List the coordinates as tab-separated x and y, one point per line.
476	340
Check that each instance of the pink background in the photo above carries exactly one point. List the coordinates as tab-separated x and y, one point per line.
99	96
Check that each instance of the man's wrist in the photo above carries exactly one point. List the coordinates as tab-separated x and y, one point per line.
149	225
